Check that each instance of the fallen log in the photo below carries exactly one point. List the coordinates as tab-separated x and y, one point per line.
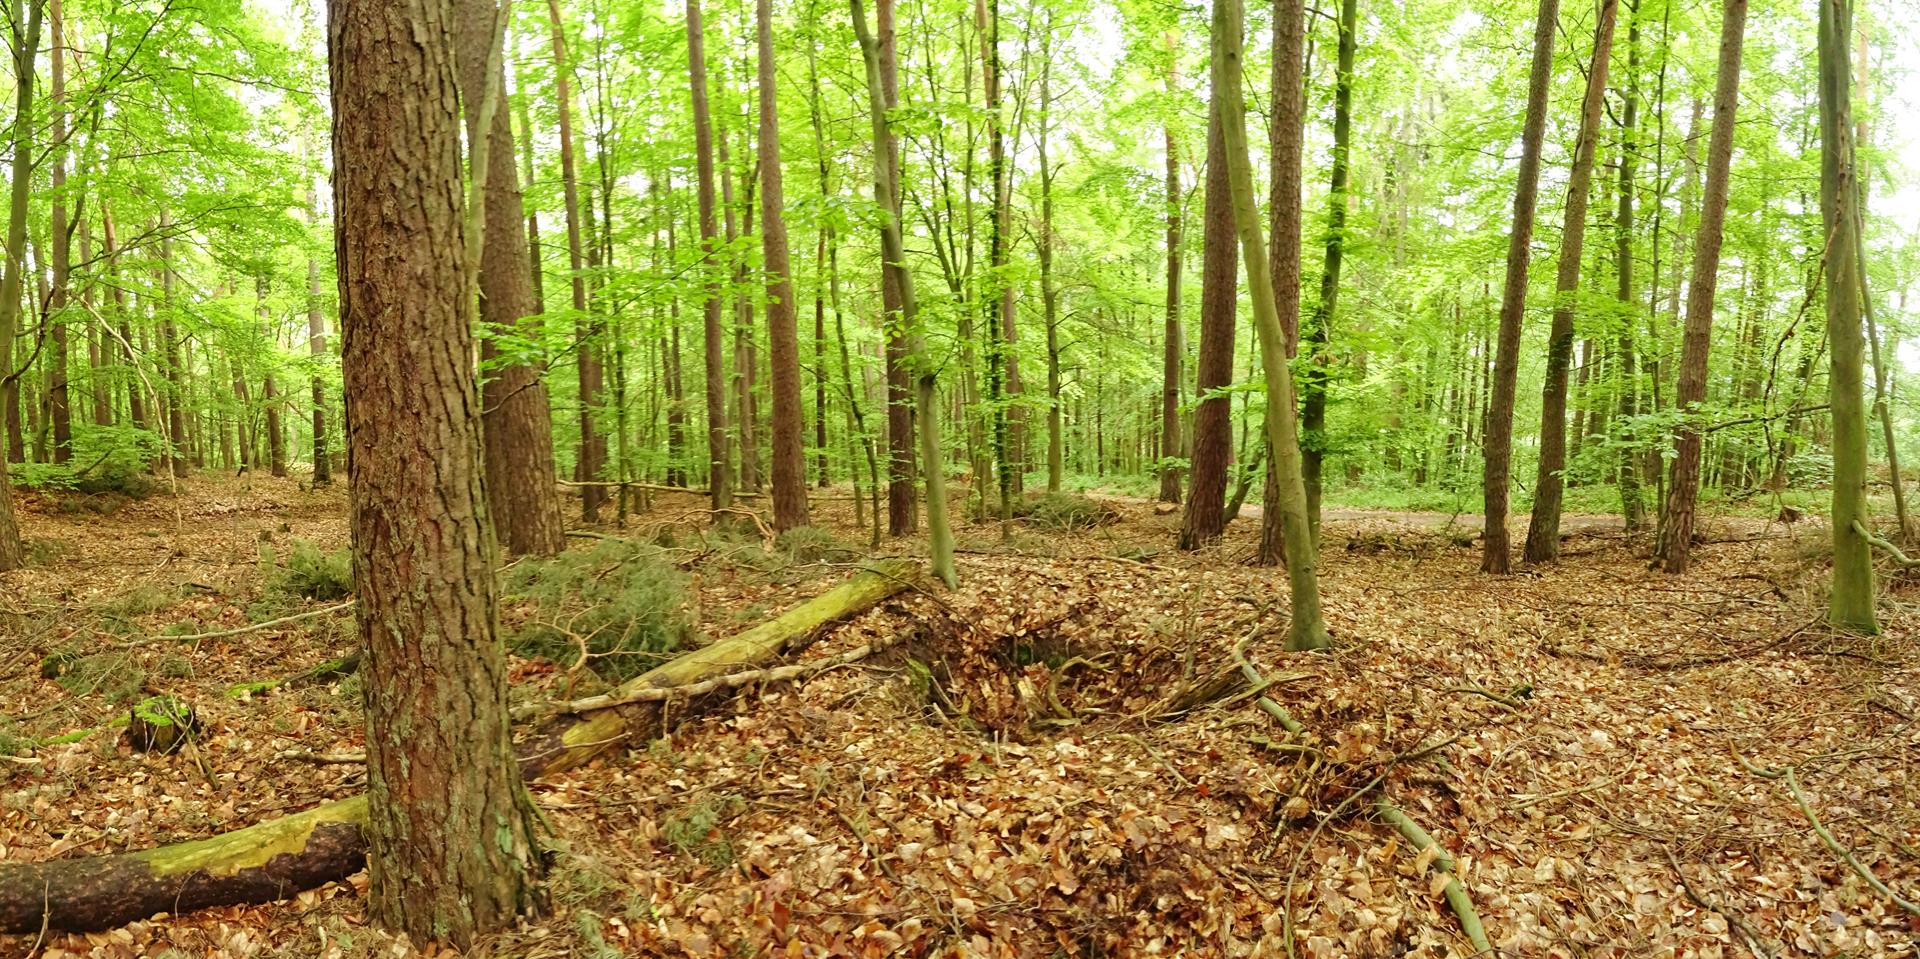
280	857
581	741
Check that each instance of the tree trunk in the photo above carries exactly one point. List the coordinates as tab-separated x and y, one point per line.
901	507
1313	413
713	337
1543	532
1851	602
517	423
886	195
591	461
1171	372
317	350
789	467
451	831
1286	146
1305	629
1219	296
1050	295
998	288
26	44
1498	444
1683	486
59	399
1626	382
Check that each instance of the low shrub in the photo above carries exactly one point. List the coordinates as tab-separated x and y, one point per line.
1065	512
622	600
309	571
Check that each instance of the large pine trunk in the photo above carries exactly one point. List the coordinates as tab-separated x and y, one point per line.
1497	446
1286	147
1683	484
451	832
1543	532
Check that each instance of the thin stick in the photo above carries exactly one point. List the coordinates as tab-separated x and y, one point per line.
1860	868
1442	862
269	624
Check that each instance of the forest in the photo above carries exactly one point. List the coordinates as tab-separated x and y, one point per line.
974	478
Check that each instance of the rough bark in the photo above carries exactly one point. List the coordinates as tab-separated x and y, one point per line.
1306	629
1683	485
1543	532
278	858
1498	443
450	830
1219	301
789	466
1286	147
1850	604
517	424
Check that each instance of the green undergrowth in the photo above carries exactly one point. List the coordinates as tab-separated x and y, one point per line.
622	599
307	572
1064	512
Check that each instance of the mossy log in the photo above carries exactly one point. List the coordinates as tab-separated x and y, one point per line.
275	859
569	745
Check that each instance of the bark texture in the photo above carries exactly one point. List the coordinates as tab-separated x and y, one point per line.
1219	301
713	334
451	831
518	424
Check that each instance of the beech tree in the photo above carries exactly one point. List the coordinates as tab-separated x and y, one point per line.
1850	602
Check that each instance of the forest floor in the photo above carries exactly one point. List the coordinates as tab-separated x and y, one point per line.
1600	746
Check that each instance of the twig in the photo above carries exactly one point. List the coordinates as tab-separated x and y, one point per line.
1860	868
1734	919
269	624
1279	714
1503	702
322	759
1442	862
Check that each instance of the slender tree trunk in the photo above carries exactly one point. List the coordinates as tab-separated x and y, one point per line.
1219	295
1306	629
24	32
1498	445
1049	293
1313	413
901	507
517	422
783	341
176	396
713	336
1543	532
592	458
317	350
117	296
1851	601
886	195
59	399
1683	487
451	831
998	289
99	378
1174	346
1626	381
